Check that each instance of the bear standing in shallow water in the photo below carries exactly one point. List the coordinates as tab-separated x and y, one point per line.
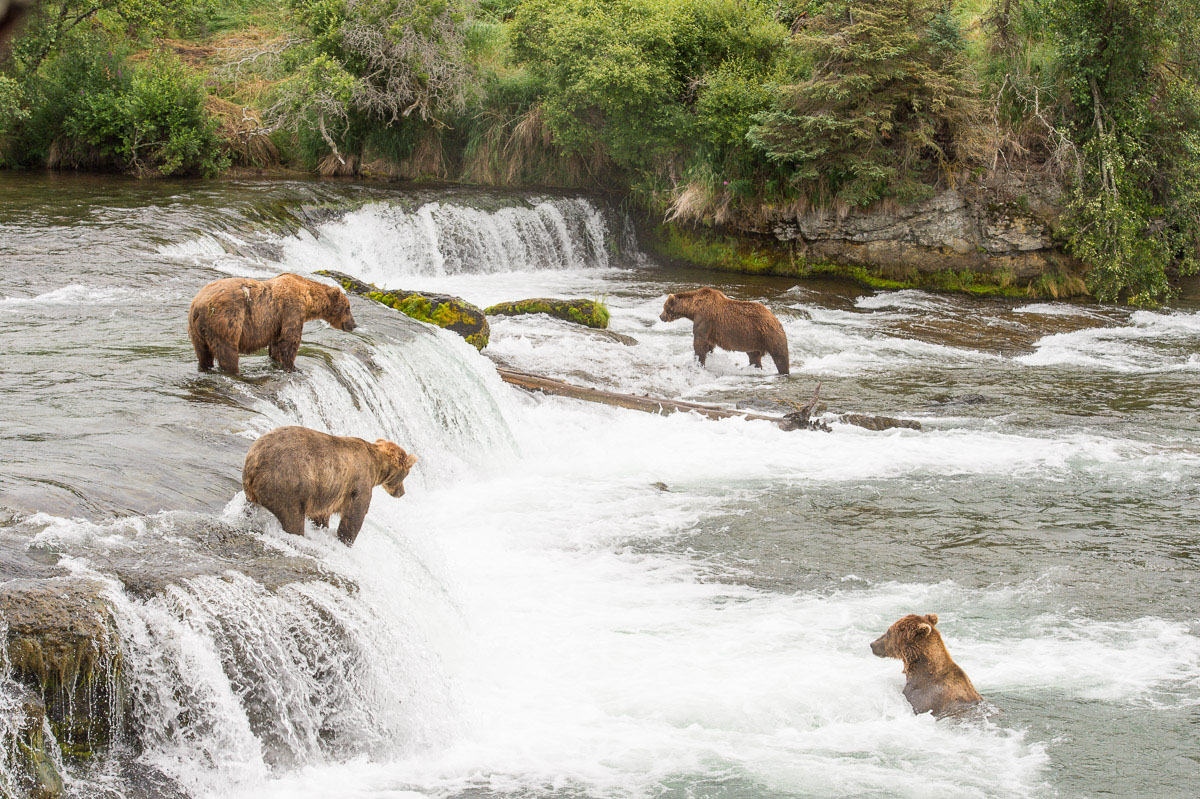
935	682
299	474
239	315
734	325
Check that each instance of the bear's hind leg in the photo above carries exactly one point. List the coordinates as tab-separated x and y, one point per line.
227	357
756	358
290	516
203	353
291	519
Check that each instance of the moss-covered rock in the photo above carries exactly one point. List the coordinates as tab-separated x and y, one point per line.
452	313
62	643
583	312
33	755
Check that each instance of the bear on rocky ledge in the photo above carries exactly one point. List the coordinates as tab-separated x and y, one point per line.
240	315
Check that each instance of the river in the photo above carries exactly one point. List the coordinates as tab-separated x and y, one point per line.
580	601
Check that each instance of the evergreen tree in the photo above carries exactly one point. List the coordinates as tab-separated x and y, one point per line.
889	106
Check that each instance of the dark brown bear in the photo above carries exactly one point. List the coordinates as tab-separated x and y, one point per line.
240	315
935	682
299	474
734	325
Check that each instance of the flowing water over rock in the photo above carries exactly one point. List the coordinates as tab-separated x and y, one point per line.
574	600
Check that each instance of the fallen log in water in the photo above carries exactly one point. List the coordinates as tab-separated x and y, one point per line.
797	420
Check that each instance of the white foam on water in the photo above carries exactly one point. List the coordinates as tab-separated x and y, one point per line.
1054	309
1151	342
73	294
903	300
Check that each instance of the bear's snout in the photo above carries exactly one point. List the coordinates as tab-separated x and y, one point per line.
879	647
349	325
663	316
395	491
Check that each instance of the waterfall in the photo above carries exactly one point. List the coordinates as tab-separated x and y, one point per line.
381	241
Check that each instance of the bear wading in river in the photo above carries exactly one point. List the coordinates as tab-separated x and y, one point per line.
299	474
733	325
934	682
240	315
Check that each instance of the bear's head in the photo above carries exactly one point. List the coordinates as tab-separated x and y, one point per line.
672	309
399	464
337	310
907	638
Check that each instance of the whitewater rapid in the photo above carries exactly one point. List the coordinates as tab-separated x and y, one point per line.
573	600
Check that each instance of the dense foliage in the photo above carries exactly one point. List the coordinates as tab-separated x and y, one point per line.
889	106
70	95
703	110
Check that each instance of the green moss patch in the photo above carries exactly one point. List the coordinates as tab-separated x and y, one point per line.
452	313
589	313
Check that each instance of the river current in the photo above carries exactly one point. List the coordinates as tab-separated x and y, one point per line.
580	601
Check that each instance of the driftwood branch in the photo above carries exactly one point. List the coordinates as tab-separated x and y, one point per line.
800	419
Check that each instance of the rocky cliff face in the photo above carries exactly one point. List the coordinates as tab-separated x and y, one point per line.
970	230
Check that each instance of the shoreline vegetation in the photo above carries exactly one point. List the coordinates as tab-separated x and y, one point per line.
1024	148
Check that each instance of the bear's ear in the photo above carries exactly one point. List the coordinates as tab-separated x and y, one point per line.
379	441
924	629
931	618
410	460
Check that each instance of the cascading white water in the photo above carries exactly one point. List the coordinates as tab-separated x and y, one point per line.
379	241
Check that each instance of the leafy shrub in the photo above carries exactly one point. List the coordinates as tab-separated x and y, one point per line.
92	108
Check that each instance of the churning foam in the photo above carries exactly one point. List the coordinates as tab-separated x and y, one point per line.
73	294
1151	342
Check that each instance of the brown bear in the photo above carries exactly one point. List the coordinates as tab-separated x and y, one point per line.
241	315
299	474
935	682
733	325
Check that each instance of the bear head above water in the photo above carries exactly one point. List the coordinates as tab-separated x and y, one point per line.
934	682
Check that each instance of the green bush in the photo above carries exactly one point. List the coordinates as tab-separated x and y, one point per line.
92	108
642	79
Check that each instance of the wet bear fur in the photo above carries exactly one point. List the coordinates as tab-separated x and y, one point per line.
935	684
241	315
299	474
734	325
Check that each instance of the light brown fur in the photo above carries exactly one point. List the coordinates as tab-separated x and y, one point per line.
934	682
734	325
240	315
299	474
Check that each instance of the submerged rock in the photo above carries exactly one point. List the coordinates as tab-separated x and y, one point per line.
619	338
584	312
452	313
878	422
